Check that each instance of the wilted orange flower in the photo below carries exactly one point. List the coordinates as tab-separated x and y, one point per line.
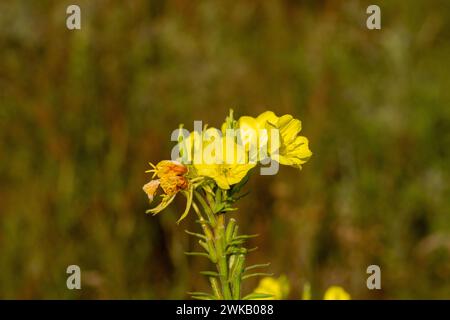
169	167
171	184
171	178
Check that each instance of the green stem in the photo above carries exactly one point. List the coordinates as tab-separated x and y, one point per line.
219	237
236	273
219	245
222	263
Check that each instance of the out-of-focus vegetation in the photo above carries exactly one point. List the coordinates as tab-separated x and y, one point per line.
82	112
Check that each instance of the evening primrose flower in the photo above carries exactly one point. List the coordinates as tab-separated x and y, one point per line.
222	160
288	149
210	167
293	149
225	175
336	293
277	288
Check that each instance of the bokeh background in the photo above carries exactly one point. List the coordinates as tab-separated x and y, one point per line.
83	112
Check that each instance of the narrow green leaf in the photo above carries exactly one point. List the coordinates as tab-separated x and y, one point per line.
236	243
218	208
234	250
261	265
218	196
210	273
210	297
198	293
239	265
253	296
241	196
211	251
201	254
189	197
201	236
230	229
216	288
203	245
244	236
235	232
206	208
237	250
236	273
257	274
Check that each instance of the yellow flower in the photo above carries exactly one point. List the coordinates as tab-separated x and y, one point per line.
288	148
222	159
278	288
293	150
336	293
224	175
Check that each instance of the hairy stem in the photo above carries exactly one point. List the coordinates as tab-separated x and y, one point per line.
222	262
219	237
218	247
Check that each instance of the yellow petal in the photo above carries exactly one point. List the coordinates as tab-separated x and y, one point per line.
264	117
150	189
222	182
248	131
237	172
290	129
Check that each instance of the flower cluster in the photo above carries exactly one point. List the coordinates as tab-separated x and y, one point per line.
226	156
210	169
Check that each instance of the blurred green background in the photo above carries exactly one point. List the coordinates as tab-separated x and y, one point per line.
83	112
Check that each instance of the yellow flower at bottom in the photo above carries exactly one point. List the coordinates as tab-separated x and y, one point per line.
278	288
336	293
